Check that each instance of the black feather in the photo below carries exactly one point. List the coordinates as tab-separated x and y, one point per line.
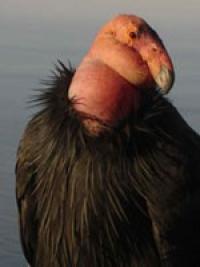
124	198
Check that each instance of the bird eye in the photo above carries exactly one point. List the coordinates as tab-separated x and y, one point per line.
133	34
154	49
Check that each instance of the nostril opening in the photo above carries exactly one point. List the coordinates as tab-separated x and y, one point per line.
133	34
112	33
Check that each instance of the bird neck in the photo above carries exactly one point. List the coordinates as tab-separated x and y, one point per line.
100	92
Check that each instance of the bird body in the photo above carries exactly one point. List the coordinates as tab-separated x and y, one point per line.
107	170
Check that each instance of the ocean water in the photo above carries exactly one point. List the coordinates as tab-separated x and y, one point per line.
26	58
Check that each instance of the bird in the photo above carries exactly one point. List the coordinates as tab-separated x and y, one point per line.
107	170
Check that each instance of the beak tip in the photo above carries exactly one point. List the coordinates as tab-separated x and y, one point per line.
165	79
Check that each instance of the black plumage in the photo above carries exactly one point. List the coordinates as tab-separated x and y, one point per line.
127	197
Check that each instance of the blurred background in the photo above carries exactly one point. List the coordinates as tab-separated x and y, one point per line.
34	34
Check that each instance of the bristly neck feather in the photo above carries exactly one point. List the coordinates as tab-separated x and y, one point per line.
99	181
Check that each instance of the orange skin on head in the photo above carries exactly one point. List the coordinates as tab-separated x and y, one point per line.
126	55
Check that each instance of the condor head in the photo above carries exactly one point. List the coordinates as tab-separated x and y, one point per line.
127	55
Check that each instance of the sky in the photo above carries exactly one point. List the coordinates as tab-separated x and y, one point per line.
34	33
23	20
64	10
70	14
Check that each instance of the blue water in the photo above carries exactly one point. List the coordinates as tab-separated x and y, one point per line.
27	56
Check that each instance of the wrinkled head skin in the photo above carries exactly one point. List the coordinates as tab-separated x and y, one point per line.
126	55
136	34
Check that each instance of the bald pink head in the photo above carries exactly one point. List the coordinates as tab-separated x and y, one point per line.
126	55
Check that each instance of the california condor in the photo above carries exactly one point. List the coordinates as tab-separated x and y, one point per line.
107	170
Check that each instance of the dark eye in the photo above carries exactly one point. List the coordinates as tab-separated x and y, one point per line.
154	49
133	34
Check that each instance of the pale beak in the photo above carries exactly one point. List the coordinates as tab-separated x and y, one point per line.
165	79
